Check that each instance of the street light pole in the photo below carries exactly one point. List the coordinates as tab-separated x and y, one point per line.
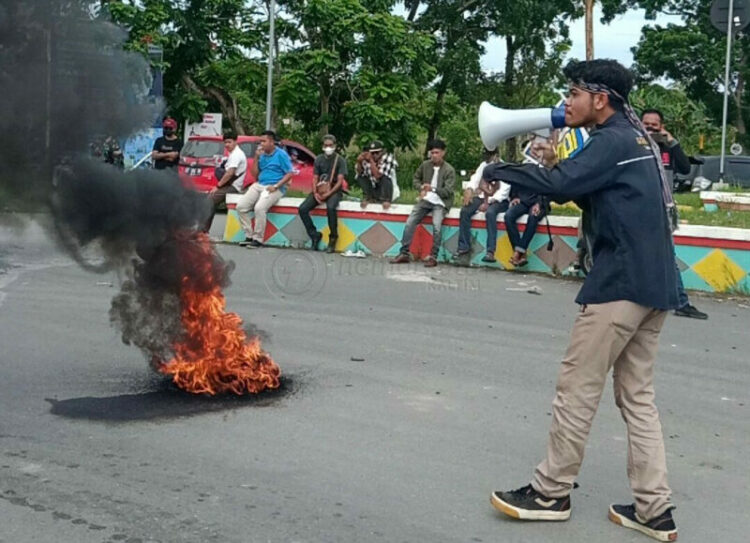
726	91
269	86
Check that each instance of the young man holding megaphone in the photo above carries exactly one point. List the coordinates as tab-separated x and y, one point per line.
624	301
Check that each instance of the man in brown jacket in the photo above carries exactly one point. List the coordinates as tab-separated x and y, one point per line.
434	179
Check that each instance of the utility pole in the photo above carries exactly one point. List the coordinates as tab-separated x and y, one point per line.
726	92
736	13
589	20
269	86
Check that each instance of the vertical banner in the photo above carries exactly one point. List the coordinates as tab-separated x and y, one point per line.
138	145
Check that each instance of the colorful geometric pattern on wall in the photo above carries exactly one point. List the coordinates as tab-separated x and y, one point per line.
719	271
703	266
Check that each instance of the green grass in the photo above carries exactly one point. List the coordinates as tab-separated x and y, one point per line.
692	199
295	194
566	211
733	219
691	212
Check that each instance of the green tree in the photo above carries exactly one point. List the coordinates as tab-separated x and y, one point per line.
460	28
535	34
688	120
536	38
207	46
692	54
355	69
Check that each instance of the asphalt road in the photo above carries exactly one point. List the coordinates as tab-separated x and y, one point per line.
409	395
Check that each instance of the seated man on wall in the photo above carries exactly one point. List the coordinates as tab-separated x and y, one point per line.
523	202
435	179
272	168
329	174
232	176
491	198
376	175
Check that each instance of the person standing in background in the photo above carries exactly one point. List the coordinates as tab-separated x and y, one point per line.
166	152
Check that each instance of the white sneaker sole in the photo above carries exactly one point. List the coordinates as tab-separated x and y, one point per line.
627	523
525	514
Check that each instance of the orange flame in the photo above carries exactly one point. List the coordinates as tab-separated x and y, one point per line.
215	355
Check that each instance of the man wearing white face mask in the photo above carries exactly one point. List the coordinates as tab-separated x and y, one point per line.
329	176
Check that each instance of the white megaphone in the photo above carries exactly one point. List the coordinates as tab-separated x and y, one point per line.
497	124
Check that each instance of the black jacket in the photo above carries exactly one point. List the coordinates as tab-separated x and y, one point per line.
526	196
674	159
617	173
446	180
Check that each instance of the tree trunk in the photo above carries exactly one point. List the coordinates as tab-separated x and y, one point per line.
437	114
589	6
413	11
509	76
325	105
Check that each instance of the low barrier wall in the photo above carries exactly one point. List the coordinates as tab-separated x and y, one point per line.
715	200
710	258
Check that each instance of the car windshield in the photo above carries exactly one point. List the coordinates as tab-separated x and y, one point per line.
203	148
248	147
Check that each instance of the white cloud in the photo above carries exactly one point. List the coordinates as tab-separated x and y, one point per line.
610	41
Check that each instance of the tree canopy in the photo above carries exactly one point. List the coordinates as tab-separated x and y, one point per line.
405	72
692	55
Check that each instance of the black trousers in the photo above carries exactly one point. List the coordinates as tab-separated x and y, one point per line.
216	199
381	192
331	204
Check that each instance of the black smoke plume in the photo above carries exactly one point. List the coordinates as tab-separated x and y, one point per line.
64	80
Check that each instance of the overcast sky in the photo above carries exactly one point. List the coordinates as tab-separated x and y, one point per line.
611	41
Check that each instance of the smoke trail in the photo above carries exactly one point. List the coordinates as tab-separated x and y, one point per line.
64	79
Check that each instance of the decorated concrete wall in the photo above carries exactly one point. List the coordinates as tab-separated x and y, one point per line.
710	258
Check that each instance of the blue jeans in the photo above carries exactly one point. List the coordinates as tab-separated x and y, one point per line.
467	212
519	243
420	210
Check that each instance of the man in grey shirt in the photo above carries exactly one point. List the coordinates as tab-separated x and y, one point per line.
329	176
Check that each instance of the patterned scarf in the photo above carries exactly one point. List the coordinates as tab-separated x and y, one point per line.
666	189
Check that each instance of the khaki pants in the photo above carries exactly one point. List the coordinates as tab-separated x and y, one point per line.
259	200
625	336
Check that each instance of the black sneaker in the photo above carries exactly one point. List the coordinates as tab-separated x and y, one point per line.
661	528
246	242
331	245
316	241
527	504
254	244
690	311
489	258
